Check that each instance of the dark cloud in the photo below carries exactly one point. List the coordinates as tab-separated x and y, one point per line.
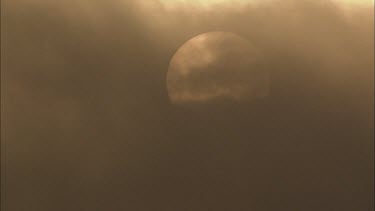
87	123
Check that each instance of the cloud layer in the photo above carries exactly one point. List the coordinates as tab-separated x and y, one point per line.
87	123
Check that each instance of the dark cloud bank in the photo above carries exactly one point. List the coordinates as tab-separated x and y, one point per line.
87	123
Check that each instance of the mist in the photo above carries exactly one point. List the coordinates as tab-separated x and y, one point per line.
87	123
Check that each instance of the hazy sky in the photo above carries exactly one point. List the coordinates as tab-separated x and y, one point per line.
87	123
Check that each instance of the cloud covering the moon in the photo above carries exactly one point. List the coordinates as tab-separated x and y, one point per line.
217	65
87	124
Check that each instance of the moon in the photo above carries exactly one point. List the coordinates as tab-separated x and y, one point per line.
217	66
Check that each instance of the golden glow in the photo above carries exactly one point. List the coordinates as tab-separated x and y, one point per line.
170	4
202	2
364	2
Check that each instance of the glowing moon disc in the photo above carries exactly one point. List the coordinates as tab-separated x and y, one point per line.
216	66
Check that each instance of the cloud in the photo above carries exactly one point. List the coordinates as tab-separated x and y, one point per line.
87	123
